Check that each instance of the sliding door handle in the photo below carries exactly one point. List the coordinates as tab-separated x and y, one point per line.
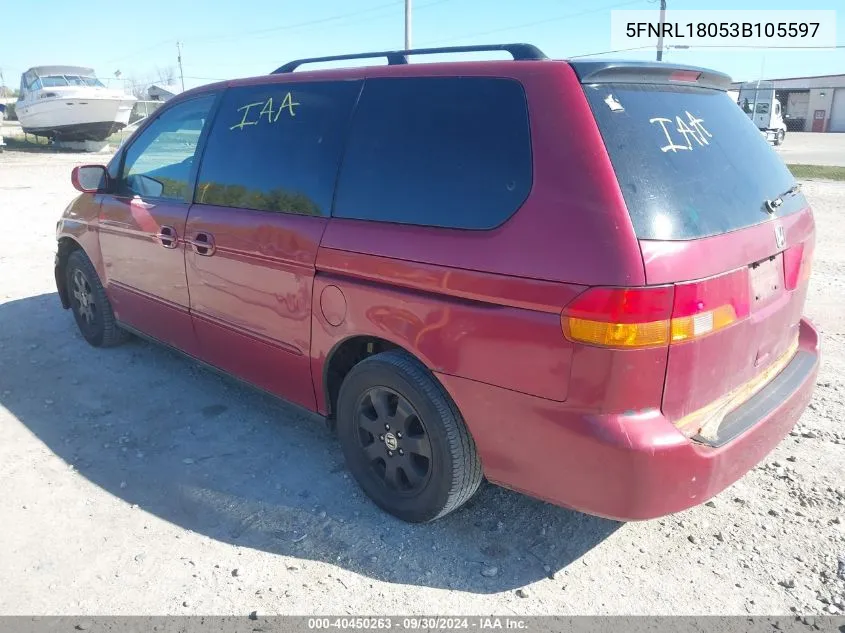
202	244
167	237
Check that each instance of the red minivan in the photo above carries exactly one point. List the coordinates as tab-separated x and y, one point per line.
582	280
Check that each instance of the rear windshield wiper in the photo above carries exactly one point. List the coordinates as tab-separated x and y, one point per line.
772	205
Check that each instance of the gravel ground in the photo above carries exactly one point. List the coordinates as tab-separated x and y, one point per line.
135	482
812	148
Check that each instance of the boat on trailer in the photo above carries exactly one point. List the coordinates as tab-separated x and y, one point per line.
69	103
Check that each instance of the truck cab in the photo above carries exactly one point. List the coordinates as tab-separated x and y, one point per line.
757	99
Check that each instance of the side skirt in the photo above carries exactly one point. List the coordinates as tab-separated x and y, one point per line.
220	372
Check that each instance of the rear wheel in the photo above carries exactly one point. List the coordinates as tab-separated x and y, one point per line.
404	439
89	303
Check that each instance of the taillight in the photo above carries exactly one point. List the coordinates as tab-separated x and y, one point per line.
620	317
658	315
806	263
707	306
806	266
792	266
797	265
684	75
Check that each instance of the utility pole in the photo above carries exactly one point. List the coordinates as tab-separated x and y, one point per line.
407	25
179	59
660	35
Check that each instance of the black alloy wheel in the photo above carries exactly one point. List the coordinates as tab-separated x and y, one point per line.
394	440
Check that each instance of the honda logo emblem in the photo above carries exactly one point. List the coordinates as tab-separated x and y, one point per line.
780	237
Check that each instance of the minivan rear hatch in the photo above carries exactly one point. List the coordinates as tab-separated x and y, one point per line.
719	218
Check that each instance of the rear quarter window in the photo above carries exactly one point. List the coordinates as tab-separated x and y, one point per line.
447	152
690	163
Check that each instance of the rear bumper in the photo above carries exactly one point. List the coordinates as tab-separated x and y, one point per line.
632	466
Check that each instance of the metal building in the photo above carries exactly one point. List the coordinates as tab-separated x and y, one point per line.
811	104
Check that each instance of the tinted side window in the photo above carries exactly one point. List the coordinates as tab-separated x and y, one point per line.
158	164
277	147
440	151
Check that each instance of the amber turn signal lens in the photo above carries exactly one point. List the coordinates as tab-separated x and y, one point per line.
650	334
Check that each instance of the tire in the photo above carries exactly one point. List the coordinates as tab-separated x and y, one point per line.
394	388
781	135
89	303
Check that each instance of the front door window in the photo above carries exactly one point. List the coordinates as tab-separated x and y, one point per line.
160	163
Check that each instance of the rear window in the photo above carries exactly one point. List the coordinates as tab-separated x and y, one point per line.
689	162
437	151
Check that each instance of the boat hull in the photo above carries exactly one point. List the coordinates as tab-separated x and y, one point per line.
76	119
98	131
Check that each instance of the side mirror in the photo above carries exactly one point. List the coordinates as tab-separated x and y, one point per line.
89	178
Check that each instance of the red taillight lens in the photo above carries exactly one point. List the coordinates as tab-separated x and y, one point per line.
707	306
684	75
620	317
659	315
806	265
797	265
624	305
792	265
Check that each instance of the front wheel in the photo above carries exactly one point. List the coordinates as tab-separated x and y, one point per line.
89	303
404	439
781	135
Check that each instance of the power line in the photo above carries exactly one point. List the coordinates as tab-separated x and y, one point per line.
534	23
209	78
233	36
344	24
286	27
692	47
764	47
342	21
618	50
137	53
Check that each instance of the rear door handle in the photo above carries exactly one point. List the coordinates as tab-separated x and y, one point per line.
167	237
203	244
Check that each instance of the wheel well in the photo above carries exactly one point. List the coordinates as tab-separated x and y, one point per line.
343	358
66	247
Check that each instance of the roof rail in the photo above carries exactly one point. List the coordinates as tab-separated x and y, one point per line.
519	52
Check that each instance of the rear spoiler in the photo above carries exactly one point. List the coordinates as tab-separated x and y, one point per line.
635	72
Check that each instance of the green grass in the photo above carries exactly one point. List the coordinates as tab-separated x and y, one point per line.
117	138
31	144
827	172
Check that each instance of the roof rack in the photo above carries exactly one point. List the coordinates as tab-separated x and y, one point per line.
519	52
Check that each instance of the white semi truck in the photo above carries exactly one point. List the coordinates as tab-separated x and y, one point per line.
757	99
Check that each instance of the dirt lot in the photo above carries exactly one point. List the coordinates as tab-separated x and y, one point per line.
136	483
813	149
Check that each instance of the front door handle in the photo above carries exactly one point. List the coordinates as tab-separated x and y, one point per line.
203	244
167	237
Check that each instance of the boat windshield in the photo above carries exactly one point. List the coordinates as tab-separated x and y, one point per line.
51	81
76	80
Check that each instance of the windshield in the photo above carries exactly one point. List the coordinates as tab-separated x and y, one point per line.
51	81
76	80
689	163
